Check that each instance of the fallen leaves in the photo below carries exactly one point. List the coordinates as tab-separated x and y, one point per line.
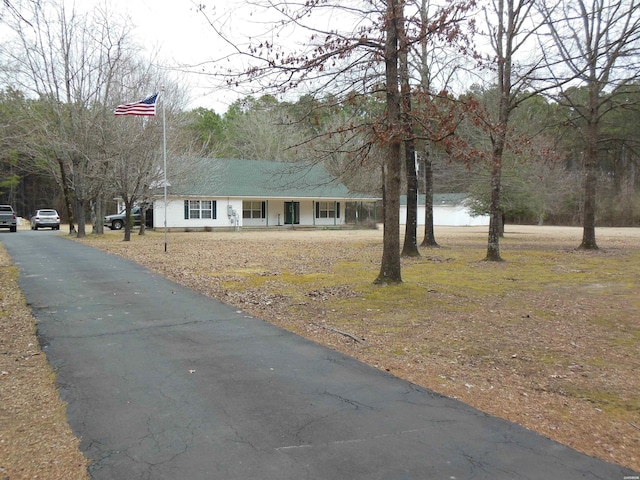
35	438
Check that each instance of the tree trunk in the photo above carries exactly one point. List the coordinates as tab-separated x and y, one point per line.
410	248
66	192
80	209
390	269
429	233
503	45
495	213
495	210
590	185
143	218
99	211
127	221
79	179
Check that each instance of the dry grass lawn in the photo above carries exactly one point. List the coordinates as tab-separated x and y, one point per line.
548	339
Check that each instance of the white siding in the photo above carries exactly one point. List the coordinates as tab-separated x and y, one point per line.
274	212
175	214
447	215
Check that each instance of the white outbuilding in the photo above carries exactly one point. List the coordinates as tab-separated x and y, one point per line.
449	209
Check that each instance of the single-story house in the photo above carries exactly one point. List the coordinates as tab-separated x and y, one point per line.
250	193
451	209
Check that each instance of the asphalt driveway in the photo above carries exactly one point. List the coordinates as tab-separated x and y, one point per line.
165	383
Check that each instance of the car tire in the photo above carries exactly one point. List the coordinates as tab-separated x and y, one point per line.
117	225
35	227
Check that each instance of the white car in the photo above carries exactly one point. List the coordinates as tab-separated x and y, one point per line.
45	218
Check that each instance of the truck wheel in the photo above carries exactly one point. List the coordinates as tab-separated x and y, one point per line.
117	225
13	229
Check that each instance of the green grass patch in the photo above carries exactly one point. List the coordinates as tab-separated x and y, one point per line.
606	400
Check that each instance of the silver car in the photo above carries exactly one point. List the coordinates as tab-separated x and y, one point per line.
46	218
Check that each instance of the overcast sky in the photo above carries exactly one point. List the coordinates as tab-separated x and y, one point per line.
181	36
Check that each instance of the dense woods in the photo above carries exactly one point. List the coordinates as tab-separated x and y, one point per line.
541	184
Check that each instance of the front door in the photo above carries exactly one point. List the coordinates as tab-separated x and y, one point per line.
291	213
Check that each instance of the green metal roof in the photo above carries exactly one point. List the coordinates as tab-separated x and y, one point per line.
216	177
439	199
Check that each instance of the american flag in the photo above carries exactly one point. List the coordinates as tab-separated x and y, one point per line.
143	108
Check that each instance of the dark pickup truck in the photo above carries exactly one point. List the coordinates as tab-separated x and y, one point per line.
8	218
116	221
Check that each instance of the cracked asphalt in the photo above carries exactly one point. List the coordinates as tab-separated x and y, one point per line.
165	383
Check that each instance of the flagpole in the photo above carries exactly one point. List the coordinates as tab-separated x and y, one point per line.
164	156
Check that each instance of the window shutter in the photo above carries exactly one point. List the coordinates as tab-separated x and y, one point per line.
186	209
214	207
317	209
337	209
264	210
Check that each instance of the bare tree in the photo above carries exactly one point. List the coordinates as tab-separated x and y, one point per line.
356	57
410	246
68	59
511	30
341	63
390	269
424	71
336	135
263	130
135	153
436	61
598	43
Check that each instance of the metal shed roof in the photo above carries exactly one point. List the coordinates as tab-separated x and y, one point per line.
439	199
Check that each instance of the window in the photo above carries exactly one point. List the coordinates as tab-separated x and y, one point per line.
328	210
200	209
252	209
